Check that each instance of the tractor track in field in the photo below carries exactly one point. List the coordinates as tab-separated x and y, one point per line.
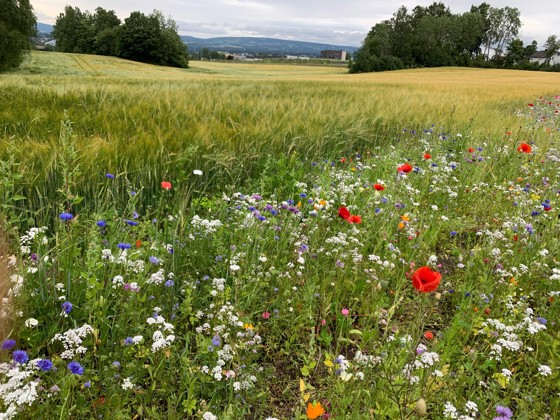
85	66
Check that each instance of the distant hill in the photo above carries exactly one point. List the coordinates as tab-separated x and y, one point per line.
252	45
44	28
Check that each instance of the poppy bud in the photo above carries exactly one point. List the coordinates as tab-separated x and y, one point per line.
420	408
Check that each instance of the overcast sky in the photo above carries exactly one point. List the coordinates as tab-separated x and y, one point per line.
340	22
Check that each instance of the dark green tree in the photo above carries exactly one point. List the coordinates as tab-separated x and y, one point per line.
551	47
106	28
515	53
139	39
73	31
17	27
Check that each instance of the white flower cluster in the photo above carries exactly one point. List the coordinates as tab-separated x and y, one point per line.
160	340
137	266
27	240
157	278
207	226
470	411
17	391
72	341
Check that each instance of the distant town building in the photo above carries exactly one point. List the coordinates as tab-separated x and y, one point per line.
334	54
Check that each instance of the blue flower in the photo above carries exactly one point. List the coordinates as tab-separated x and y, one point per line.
504	411
67	307
45	365
87	384
101	223
123	245
20	356
75	368
169	283
8	344
216	341
542	320
131	223
110	176
154	260
66	216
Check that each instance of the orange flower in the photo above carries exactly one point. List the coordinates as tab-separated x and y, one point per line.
426	280
355	219
166	185
314	410
524	147
427	156
378	187
429	335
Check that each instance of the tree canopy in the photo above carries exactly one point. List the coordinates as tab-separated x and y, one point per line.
17	27
433	36
149	38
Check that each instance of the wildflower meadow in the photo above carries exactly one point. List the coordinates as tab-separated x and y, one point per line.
414	277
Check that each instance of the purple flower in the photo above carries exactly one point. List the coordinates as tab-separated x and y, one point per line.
131	223
101	223
66	216
169	283
45	365
20	356
8	344
123	245
87	384
154	260
504	411
542	320
110	176
67	307
216	341
128	341
75	368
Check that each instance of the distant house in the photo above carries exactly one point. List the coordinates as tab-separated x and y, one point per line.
540	58
334	54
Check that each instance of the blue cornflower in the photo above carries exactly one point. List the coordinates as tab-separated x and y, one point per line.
8	344
45	365
75	368
303	195
216	341
169	283
128	341
110	176
123	245
101	223
131	223
542	320
20	356
154	260
87	384
135	215
67	307
66	216
453	233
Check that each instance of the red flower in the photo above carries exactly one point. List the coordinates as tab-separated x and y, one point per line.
343	160
406	168
429	335
355	219
427	156
524	147
530	105
344	213
471	150
166	185
378	187
426	280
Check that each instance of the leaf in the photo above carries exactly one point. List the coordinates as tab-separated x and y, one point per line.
301	385
329	363
355	332
306	397
305	370
18	197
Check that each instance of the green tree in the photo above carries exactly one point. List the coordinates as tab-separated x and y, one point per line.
515	53
551	47
73	31
17	27
106	29
139	38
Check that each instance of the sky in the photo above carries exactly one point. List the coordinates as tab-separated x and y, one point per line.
338	22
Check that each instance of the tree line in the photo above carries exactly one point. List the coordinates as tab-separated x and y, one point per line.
17	27
149	38
432	36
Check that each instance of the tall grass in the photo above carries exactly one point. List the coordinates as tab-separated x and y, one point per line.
226	118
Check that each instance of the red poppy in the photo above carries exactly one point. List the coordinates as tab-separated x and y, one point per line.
378	187
166	185
355	219
530	105
508	133
429	335
524	147
344	213
471	150
427	156
406	168
426	280
342	160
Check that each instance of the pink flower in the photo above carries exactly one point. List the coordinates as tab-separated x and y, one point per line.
345	311
266	314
